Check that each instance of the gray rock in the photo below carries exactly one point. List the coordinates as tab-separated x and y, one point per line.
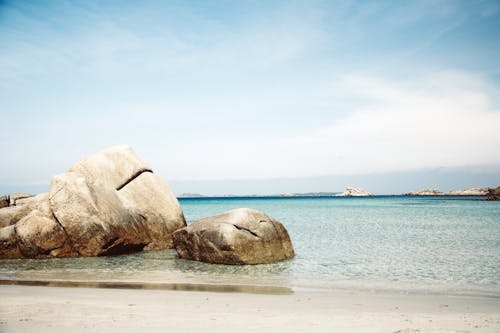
240	236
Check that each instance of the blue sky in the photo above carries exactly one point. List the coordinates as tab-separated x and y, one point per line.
215	92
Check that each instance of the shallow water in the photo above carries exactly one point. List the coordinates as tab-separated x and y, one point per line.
403	244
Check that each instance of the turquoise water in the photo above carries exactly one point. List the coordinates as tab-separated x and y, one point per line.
403	244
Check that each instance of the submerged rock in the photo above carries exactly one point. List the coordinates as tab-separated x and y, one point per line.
354	192
109	203
240	236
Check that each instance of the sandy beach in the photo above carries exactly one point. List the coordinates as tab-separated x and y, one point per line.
61	309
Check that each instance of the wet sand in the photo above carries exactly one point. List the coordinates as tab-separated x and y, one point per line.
59	309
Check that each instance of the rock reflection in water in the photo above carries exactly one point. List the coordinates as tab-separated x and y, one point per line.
155	286
153	267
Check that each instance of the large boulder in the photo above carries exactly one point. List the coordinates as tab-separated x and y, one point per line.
94	216
237	237
109	203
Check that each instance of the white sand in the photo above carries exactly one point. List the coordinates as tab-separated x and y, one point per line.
55	309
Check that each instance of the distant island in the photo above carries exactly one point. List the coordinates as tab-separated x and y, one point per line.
434	192
355	192
281	195
491	193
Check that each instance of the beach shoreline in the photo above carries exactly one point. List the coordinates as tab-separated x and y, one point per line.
50	309
246	287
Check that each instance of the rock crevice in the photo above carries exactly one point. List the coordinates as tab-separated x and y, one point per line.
134	176
247	230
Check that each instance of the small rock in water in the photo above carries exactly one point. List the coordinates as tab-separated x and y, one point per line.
240	236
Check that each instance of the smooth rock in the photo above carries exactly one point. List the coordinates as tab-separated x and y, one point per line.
236	237
111	168
109	203
122	205
150	197
93	215
38	235
354	192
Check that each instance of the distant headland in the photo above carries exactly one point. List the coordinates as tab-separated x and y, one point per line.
492	194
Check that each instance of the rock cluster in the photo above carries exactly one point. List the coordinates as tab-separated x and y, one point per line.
354	192
113	203
236	237
109	203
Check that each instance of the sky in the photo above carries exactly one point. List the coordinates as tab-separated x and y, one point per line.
259	97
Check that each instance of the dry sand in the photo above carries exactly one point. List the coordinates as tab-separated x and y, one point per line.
57	309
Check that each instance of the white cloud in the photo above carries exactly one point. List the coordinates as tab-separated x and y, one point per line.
446	119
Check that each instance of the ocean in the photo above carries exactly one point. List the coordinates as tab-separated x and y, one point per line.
400	244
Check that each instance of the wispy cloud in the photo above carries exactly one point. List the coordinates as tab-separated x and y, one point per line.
109	44
445	119
211	90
